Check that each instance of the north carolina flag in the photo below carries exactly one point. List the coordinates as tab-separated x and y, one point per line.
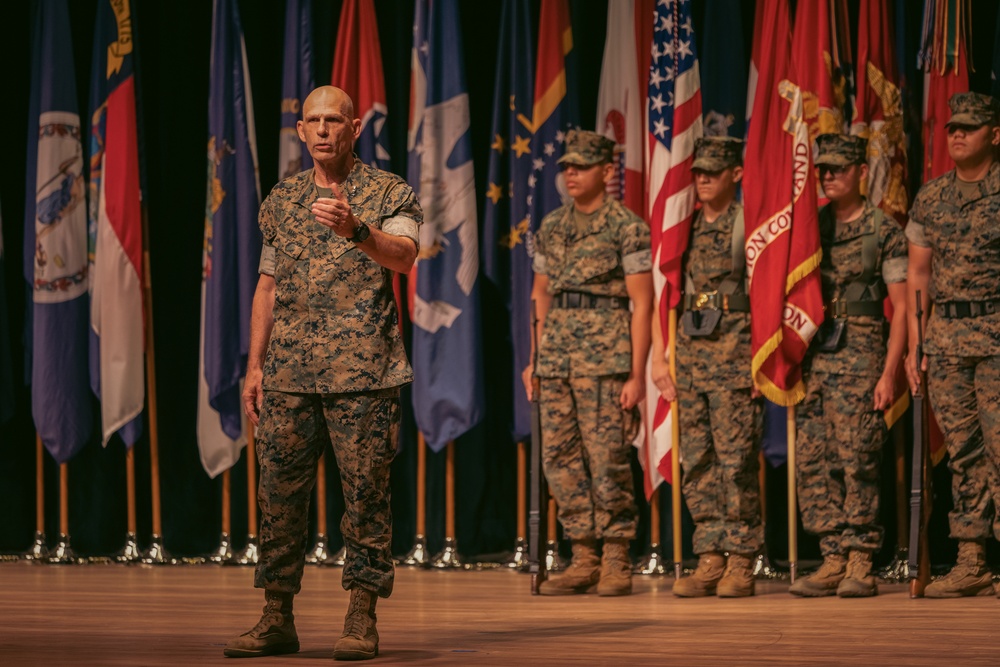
357	70
231	251
448	395
782	232
674	122
296	83
55	242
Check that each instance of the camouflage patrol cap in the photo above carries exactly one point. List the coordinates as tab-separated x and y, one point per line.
587	148
973	109
841	149
713	154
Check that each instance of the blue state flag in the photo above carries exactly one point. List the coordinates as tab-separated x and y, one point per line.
723	70
297	82
55	242
6	372
448	396
232	243
995	71
505	229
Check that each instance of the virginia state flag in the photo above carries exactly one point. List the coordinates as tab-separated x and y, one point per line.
6	372
55	242
296	83
232	244
505	229
724	70
116	309
447	359
357	70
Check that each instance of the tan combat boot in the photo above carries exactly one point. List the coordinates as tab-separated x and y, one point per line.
581	575
738	580
824	581
704	579
858	582
360	638
274	633
616	569
969	576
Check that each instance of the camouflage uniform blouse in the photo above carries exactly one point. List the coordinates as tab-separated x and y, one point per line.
335	321
721	359
864	348
594	260
964	237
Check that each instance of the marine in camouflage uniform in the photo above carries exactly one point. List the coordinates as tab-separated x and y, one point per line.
720	422
587	355
954	234
325	312
840	425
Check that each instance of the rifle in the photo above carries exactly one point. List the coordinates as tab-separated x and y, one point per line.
920	481
539	491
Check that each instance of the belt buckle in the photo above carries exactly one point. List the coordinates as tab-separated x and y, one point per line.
703	299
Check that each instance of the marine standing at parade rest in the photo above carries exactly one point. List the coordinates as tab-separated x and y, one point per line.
850	375
590	257
720	420
954	235
326	365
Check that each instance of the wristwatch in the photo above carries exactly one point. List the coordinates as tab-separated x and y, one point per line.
361	233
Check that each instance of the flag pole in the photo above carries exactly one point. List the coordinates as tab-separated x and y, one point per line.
675	449
224	552
319	553
519	559
449	558
762	568
250	553
63	554
130	552
553	561
793	526
898	570
38	550
653	563
418	553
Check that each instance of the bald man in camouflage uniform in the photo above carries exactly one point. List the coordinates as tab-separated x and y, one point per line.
849	375
719	419
324	314
954	234
591	256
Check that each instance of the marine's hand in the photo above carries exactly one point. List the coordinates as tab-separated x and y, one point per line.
885	392
912	374
335	212
633	392
662	380
527	375
253	394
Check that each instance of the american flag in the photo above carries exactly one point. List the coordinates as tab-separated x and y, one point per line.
674	122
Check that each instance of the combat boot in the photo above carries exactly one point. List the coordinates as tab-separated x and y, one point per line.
581	575
274	633
738	580
824	581
616	569
859	582
704	579
969	576
360	638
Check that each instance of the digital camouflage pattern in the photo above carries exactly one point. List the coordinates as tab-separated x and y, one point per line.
585	148
841	149
294	431
973	109
838	447
593	259
713	154
586	447
335	322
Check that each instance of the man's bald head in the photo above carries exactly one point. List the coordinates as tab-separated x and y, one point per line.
329	96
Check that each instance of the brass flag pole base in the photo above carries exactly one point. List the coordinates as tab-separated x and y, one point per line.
338	559
652	563
763	569
157	554
553	561
319	553
448	557
37	552
130	552
249	555
223	552
898	571
519	559
417	556
63	553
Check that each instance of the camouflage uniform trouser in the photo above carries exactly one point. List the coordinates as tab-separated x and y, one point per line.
294	430
586	441
838	450
965	395
720	440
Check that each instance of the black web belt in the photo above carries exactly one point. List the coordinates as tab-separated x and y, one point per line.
584	300
716	301
839	308
958	310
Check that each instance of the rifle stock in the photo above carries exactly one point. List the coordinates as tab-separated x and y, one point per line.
920	481
538	508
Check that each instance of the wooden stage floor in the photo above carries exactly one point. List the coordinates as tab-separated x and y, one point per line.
118	615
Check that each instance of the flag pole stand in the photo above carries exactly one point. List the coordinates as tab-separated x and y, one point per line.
417	556
129	553
319	553
519	559
63	553
762	567
250	553
224	551
448	558
38	552
553	561
793	526
675	453
898	571
652	563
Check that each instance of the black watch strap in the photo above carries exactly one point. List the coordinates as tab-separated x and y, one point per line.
361	233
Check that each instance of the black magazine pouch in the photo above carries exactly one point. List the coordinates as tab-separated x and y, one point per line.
832	335
697	323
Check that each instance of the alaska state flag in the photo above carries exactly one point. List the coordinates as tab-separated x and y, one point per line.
55	242
724	70
357	70
447	359
296	83
505	229
117	342
232	244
